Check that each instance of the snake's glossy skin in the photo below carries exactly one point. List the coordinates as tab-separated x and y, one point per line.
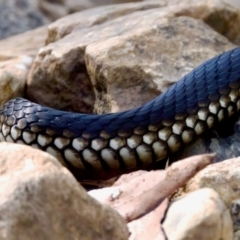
101	146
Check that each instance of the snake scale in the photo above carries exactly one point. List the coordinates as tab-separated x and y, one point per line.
100	146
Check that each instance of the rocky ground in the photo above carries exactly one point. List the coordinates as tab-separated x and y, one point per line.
108	59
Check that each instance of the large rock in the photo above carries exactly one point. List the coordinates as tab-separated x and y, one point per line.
130	52
145	61
40	199
221	15
199	215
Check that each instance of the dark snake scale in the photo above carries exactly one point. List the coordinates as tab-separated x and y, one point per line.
101	146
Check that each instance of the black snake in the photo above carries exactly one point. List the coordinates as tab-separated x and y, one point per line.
100	146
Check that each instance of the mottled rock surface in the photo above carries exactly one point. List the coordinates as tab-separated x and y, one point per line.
40	199
138	197
20	16
122	56
200	215
16	56
224	178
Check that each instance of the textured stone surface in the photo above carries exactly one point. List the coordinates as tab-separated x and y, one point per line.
16	56
143	62
138	197
148	226
19	16
131	52
223	177
95	16
40	199
200	215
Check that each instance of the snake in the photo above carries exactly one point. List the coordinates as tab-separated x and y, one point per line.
100	146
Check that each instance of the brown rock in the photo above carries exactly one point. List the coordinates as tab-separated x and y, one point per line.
40	199
19	16
27	43
95	16
60	68
148	226
58	8
144	62
199	215
221	15
138	196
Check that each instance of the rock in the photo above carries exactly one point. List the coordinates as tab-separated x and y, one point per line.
65	71
40	199
223	177
148	226
58	8
221	15
103	52
16	57
199	215
88	18
19	16
138	197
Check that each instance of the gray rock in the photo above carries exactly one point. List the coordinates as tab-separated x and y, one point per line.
19	16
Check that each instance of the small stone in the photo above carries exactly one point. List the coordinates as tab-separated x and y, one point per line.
199	215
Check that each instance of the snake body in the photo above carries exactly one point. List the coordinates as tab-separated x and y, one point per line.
100	146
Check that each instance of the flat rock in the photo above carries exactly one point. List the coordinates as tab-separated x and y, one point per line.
199	215
20	16
40	199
